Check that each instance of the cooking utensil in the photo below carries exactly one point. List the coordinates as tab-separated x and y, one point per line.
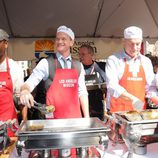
4	139
43	108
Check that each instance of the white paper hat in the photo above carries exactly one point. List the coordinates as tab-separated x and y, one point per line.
3	35
67	31
133	32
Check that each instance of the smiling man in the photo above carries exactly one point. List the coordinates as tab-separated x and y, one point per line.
57	71
129	75
64	82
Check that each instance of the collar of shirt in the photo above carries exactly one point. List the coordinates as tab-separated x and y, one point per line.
59	56
129	59
69	59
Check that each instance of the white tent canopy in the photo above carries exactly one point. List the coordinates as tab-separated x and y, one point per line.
88	18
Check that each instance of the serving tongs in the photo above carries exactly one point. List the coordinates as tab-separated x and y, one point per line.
43	108
6	141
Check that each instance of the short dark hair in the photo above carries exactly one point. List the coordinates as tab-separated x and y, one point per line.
90	48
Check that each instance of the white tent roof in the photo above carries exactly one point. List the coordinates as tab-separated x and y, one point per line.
88	18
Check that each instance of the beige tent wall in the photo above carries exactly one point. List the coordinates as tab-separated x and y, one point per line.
24	49
21	49
102	47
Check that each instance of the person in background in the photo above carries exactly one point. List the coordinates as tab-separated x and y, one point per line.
28	73
154	61
10	83
40	91
94	71
39	94
129	75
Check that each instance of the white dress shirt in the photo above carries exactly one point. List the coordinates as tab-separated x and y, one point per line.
156	79
41	71
16	72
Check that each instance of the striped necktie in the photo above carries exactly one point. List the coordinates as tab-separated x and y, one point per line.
65	62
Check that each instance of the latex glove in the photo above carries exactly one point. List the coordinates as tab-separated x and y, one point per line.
26	98
137	104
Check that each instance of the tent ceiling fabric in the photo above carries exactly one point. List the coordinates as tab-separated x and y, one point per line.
88	18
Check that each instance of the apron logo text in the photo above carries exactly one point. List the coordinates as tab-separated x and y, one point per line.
134	79
68	82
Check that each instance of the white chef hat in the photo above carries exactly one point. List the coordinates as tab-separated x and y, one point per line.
133	32
3	35
67	31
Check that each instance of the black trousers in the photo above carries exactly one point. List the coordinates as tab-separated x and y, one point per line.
96	106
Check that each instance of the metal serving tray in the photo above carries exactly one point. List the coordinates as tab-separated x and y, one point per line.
148	126
62	125
62	133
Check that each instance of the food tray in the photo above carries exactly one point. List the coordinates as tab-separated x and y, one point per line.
150	115
148	119
62	125
62	133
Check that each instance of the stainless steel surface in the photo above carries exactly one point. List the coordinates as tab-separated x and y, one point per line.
133	130
4	139
60	126
3	136
63	134
140	149
148	126
64	152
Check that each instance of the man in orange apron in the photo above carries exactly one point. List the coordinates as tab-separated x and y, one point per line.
8	75
67	92
129	75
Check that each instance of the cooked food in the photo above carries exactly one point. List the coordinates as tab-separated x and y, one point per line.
50	108
36	127
150	114
133	116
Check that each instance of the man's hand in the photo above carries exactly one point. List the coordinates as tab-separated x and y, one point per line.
137	104
26	98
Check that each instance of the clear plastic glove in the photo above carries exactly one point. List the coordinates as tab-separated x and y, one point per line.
137	104
26	98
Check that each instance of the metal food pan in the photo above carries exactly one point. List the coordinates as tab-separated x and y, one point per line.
151	114
143	116
63	125
148	126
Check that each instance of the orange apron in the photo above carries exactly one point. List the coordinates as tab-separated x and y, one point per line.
7	108
134	85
